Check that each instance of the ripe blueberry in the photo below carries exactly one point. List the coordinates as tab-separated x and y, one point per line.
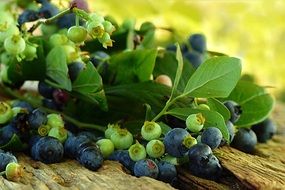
147	168
235	110
212	137
244	140
198	42
264	130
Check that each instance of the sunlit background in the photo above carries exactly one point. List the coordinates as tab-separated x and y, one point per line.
253	30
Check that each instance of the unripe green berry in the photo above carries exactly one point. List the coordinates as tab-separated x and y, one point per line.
30	52
108	27
122	139
189	141
137	152
58	40
94	17
55	120
6	113
14	171
77	34
150	130
203	107
195	122
155	148
59	133
7	30
111	129
106	146
14	44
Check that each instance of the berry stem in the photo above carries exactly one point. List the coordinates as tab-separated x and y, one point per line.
169	102
77	20
34	103
73	9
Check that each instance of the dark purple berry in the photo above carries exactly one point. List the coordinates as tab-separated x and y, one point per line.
198	42
27	16
51	104
124	158
37	118
244	140
264	130
45	90
91	158
60	96
6	133
203	163
235	110
47	10
47	150
167	172
147	168
194	58
212	137
23	104
173	142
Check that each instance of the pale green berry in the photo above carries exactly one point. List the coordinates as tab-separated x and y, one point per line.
59	133
6	113
58	40
195	122
30	52
155	148
137	152
203	107
106	146
122	139
95	17
108	27
150	130
77	34
55	120
7	30
14	44
14	171
111	129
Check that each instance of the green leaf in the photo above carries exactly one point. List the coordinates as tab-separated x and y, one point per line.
216	105
56	69
255	102
179	70
164	128
166	63
213	118
147	31
15	144
88	86
216	77
132	66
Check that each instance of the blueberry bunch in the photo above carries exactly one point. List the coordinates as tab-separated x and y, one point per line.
194	50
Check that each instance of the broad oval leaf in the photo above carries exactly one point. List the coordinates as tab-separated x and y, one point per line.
216	77
213	118
88	86
255	102
57	70
132	66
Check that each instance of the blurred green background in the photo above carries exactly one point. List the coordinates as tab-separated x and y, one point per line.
253	30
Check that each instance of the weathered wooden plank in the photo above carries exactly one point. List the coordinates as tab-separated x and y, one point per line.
69	175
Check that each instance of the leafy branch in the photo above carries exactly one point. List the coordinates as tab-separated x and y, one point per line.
34	103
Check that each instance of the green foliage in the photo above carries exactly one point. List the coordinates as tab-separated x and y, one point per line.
216	77
89	87
255	102
216	105
132	66
15	144
56	69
